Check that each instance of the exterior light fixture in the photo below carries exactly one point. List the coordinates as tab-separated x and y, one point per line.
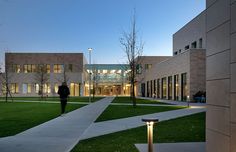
150	122
188	101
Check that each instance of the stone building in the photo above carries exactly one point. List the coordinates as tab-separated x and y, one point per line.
25	78
182	75
221	75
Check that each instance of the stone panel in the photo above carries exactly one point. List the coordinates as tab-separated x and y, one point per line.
217	66
233	47
233	138
218	14
218	40
233	77
218	92
217	119
210	2
233	107
217	142
233	18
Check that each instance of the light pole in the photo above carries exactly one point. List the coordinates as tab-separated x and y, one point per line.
188	101
90	73
150	122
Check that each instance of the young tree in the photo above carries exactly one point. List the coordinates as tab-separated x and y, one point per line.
133	49
41	77
5	81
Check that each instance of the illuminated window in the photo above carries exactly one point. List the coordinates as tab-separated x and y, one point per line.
26	88
34	68
48	68
36	88
58	68
56	87
14	88
176	87
184	88
16	68
170	87
46	88
163	83
29	68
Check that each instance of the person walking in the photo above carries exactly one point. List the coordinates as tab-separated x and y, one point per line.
64	92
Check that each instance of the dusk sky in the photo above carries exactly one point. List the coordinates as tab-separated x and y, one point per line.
76	25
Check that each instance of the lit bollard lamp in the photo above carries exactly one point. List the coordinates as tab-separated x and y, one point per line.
150	122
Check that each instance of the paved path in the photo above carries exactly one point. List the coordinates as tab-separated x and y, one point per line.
106	127
58	135
181	103
174	147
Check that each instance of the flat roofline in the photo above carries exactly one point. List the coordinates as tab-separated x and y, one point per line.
203	12
43	53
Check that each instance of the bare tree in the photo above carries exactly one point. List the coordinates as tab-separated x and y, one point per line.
5	81
41	77
133	49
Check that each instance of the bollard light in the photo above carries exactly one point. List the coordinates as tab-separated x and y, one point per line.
150	122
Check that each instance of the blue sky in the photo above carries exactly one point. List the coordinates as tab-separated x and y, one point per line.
75	25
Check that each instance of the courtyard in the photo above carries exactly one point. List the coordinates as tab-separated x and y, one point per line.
107	124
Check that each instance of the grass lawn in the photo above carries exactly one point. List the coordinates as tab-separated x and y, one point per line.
185	129
71	99
124	111
138	101
17	117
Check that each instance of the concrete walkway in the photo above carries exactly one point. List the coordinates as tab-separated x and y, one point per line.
181	103
174	147
58	135
106	127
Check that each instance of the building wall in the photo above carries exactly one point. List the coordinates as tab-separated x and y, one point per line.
76	76
191	62
221	75
144	60
192	31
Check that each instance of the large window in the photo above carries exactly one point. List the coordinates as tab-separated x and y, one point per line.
58	68
158	88
48	68
74	89
148	66
16	68
26	88
143	89
148	89
36	88
29	68
176	87
70	68
46	88
184	88
154	90
56	86
170	87
163	92
151	89
14	88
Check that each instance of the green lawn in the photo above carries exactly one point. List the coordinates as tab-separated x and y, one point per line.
70	99
139	101
185	129
124	111
17	117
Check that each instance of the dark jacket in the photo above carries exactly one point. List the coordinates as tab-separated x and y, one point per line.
63	91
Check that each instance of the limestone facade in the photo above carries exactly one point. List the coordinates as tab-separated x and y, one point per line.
221	75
